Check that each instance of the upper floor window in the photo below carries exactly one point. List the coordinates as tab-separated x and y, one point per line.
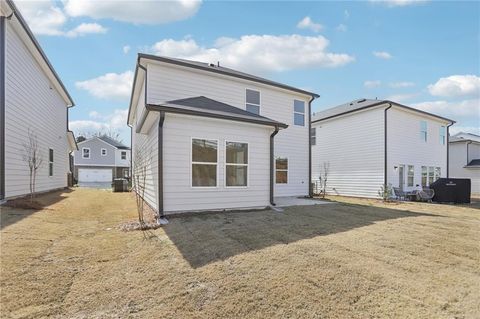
123	155
104	152
443	135
204	162
299	112
423	130
50	162
252	101
86	152
236	168
313	136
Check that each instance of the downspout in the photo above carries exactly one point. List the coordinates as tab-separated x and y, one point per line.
310	188
272	163
2	107
385	163
160	163
448	149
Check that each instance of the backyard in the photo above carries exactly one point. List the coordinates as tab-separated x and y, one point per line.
353	258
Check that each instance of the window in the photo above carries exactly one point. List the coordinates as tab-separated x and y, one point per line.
424	176
281	170
252	101
236	164
431	176
123	155
313	136
443	135
438	173
50	162
299	112
204	162
125	173
86	152
410	175
104	152
423	130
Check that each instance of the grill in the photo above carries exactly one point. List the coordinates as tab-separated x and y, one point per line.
452	190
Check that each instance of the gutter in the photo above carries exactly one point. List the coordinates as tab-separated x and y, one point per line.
272	163
385	163
2	107
448	148
160	164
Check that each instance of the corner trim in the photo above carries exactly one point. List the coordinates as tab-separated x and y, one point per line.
2	107
310	189
448	149
272	163
385	144
160	164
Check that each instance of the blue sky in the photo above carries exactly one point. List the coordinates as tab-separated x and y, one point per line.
423	54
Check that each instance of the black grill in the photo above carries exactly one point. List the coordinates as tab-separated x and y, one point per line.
452	190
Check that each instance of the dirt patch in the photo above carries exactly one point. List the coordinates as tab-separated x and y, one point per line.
355	259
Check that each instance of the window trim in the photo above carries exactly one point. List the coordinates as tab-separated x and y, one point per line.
51	162
260	99
283	170
234	164
101	151
313	136
425	140
443	134
206	163
121	154
408	175
304	112
89	153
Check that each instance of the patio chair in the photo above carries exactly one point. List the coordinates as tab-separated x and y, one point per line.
399	193
426	194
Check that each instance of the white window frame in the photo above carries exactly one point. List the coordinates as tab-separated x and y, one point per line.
304	112
443	134
89	153
235	164
313	136
412	176
283	170
121	155
204	163
101	151
424	134
260	100
51	162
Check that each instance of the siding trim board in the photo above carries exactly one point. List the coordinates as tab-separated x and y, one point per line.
385	128
2	107
448	149
272	164
160	164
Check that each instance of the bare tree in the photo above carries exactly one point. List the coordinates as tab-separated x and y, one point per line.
33	157
114	135
141	161
324	178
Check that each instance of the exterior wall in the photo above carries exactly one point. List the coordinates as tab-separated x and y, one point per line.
353	145
166	82
96	158
118	158
458	160
32	103
405	146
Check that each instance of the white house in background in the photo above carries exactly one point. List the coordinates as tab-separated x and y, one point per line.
464	158
217	138
32	98
100	160
369	143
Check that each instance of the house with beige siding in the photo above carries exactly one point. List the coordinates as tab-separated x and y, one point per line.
32	99
370	143
213	138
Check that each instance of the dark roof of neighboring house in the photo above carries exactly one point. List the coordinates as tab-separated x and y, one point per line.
37	45
203	106
474	162
112	142
459	138
223	70
361	104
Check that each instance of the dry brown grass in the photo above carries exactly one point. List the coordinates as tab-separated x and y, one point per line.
353	259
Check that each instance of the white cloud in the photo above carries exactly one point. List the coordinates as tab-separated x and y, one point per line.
399	3
400	85
465	110
111	86
402	97
341	27
456	85
465	129
94	114
382	55
346	14
85	28
148	12
258	53
115	121
126	49
307	23
372	84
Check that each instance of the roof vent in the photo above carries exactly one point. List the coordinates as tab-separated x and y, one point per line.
361	101
212	65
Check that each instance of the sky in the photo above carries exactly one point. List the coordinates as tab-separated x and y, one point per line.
424	54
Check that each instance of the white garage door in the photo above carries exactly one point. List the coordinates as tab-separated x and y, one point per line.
93	175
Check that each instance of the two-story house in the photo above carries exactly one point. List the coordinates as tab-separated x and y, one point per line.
34	107
370	143
99	160
464	159
211	137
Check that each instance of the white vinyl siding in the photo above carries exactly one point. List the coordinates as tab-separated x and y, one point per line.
459	159
32	103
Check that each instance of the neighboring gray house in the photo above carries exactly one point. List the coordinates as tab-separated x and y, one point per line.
100	160
464	158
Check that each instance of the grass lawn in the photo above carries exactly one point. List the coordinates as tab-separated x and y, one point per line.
352	259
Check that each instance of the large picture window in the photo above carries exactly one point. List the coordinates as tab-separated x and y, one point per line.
299	112
236	164
204	162
430	174
252	99
281	170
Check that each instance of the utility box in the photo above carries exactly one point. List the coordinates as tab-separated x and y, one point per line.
120	185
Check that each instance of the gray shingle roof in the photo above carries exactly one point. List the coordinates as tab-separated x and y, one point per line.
111	141
474	162
204	106
360	104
